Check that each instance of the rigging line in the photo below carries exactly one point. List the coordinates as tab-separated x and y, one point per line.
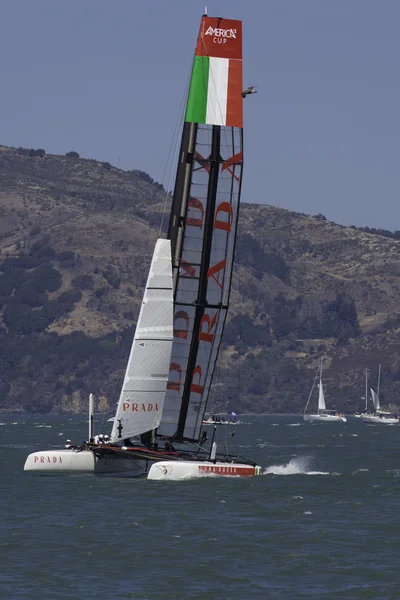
174	144
240	336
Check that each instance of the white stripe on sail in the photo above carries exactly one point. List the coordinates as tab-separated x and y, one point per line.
375	399
217	96
321	397
142	397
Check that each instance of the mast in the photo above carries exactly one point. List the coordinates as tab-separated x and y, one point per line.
203	222
321	397
91	418
366	390
379	380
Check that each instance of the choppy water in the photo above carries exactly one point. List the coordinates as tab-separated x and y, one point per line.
322	522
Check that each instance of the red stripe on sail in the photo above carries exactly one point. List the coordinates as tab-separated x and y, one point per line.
231	162
234	109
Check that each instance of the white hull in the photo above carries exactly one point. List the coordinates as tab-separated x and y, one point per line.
84	461
321	418
380	420
61	461
176	470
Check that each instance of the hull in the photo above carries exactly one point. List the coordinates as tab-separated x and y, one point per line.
174	471
325	418
380	420
61	461
85	461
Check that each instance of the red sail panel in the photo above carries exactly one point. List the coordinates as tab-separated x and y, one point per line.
221	38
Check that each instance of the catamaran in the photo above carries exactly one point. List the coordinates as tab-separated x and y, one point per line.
157	429
322	415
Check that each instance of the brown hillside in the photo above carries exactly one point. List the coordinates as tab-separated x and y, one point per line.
296	282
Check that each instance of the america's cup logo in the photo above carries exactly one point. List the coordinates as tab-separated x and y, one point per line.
225	33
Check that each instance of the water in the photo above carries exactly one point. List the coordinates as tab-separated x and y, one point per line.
322	522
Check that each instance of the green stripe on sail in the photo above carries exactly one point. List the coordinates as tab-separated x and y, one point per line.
197	99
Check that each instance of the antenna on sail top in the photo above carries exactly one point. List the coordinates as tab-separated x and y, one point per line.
205	11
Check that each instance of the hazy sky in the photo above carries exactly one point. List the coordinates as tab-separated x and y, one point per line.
107	78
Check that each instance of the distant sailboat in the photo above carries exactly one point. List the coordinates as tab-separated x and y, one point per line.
217	418
322	415
378	416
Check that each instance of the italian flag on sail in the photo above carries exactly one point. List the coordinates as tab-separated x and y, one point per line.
215	94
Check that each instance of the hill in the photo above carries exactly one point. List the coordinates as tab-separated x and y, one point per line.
76	237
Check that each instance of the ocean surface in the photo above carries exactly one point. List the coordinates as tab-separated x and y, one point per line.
322	522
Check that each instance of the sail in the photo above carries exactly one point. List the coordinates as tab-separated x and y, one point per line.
375	398
321	397
141	401
203	222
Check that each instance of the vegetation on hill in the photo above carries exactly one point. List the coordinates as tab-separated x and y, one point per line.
75	240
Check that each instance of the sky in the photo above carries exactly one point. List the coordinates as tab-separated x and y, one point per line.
108	79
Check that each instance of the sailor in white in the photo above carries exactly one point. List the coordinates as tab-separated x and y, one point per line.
68	444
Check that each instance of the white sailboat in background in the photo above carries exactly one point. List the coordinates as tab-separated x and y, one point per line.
378	416
218	419
322	415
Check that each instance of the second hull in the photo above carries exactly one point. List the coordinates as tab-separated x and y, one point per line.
174	471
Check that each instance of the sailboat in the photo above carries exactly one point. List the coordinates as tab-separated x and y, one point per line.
323	415
217	418
196	284
377	416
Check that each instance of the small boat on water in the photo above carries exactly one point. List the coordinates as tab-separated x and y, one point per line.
157	429
378	416
217	419
323	415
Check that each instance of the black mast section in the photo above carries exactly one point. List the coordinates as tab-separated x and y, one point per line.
201	300
176	228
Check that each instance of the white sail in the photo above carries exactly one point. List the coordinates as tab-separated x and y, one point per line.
375	398
321	397
142	397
